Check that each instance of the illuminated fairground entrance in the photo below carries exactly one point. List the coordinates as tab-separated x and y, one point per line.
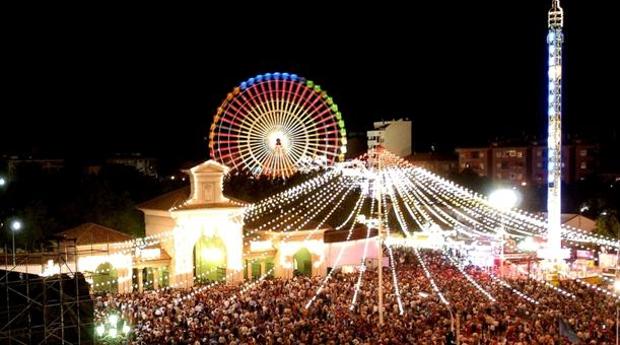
209	260
302	262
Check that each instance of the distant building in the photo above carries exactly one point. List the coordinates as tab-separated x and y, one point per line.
394	136
525	164
586	160
510	164
15	163
475	159
439	163
145	165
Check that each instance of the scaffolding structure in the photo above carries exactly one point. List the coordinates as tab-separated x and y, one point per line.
40	309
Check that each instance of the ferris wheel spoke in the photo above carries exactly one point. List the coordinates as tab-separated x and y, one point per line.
268	100
309	109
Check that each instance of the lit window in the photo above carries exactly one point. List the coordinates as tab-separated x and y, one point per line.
583	153
583	165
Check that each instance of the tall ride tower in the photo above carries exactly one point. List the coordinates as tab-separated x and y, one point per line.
554	140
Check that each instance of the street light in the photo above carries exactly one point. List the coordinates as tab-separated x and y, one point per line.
2	181
503	199
16	225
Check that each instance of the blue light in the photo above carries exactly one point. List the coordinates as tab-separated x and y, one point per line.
276	75
244	86
251	81
285	76
259	78
294	76
267	76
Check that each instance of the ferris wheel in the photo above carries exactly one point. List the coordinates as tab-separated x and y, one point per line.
273	123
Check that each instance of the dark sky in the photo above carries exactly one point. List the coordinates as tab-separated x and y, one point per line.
465	71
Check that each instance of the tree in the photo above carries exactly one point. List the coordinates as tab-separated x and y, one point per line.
607	224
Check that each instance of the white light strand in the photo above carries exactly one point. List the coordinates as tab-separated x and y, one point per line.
430	278
469	278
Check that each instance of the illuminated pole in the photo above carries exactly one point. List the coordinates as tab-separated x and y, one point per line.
16	225
380	241
504	200
554	140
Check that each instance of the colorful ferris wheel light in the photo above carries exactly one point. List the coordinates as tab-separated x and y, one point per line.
274	122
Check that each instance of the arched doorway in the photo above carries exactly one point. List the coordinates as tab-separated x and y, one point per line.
302	262
105	278
209	259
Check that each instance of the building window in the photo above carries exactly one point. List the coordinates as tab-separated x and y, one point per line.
583	166
583	153
539	165
539	153
498	154
520	154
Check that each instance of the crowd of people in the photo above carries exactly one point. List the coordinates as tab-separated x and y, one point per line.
274	311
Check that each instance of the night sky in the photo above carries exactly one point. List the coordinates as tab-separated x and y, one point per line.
465	72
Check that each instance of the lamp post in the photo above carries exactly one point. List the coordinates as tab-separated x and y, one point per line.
503	199
380	241
16	225
617	288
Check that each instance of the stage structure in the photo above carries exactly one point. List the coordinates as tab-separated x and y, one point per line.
45	309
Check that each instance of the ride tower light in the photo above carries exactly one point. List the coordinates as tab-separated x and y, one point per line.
555	39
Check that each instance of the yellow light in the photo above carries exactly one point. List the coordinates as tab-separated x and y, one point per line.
275	137
100	330
212	254
617	285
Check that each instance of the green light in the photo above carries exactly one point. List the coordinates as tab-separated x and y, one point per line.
309	83
334	108
113	320
100	330
317	88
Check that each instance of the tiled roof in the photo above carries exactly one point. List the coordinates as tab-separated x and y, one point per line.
166	201
91	233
